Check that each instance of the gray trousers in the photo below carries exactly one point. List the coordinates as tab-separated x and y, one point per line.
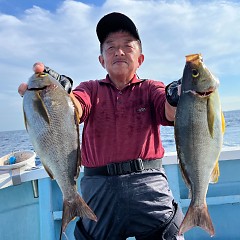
135	204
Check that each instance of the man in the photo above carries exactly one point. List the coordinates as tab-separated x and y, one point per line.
124	182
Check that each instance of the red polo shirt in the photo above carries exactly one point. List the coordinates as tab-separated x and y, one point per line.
121	125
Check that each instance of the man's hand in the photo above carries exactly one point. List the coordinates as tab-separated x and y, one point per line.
65	81
22	89
37	68
173	91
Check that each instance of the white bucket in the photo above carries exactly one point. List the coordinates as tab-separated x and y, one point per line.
24	160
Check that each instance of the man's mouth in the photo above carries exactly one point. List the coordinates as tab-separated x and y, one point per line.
119	61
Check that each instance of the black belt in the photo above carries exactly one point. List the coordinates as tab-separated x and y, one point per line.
137	165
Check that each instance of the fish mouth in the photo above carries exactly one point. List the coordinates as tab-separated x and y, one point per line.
47	87
36	88
202	94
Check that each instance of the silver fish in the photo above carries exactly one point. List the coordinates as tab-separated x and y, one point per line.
52	123
199	128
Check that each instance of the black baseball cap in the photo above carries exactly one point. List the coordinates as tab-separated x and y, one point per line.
114	22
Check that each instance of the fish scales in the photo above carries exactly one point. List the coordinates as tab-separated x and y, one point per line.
52	124
199	135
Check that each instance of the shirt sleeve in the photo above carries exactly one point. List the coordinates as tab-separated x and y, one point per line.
158	99
83	92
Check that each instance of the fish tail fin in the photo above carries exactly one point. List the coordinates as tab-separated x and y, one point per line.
197	216
75	208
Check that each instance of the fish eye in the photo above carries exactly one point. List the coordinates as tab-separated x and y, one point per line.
195	73
41	75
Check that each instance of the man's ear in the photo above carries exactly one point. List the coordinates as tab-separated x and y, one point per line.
140	60
101	60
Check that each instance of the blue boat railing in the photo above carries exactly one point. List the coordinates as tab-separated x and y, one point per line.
39	218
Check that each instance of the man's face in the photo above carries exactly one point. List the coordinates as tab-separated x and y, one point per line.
121	55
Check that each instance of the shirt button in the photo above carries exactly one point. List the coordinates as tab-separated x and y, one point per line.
120	92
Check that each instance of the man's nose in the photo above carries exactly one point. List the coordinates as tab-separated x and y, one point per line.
119	52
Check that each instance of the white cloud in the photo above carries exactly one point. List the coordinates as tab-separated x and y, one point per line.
66	41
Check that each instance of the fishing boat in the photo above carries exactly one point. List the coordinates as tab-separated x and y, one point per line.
31	203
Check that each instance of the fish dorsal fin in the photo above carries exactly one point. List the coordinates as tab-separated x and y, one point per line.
223	123
210	115
78	163
79	157
215	173
40	107
76	113
77	121
48	170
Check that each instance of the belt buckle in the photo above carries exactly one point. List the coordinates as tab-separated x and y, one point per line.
125	167
138	164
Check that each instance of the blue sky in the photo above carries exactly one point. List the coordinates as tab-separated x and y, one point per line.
17	7
62	35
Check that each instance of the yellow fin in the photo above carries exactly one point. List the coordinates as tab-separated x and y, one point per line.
211	115
215	173
223	123
40	107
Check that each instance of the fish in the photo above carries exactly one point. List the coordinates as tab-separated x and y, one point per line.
198	129
52	122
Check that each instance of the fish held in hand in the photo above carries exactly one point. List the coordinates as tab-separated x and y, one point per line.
199	128
52	122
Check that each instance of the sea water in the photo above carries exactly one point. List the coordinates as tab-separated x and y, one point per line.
11	141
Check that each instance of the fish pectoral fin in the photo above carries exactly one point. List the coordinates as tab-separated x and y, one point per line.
215	173
210	115
223	123
40	107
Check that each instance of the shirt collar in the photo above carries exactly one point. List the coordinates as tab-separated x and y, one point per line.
134	80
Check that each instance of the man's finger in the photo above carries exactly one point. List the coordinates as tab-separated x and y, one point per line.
22	89
38	67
